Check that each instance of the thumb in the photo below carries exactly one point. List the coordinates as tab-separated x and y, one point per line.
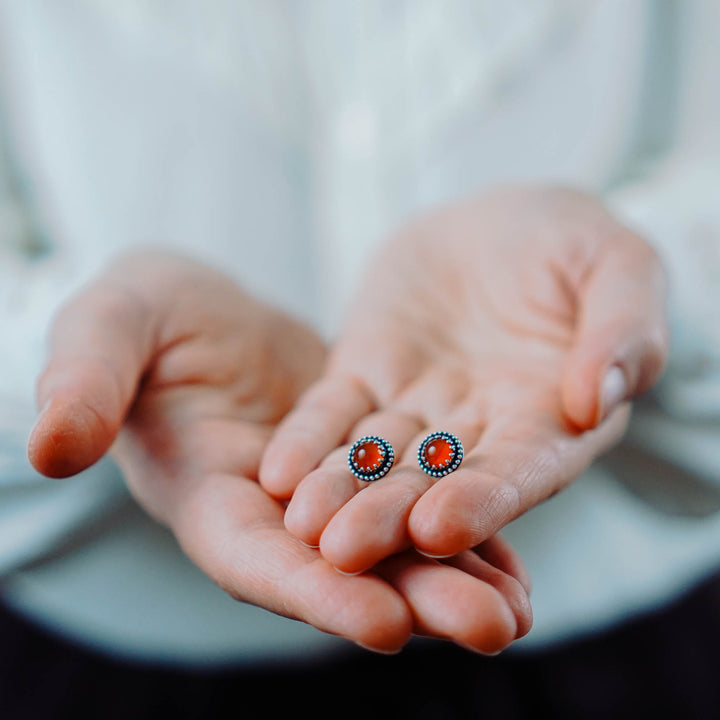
621	339
100	343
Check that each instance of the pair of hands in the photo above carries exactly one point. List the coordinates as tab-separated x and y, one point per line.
521	321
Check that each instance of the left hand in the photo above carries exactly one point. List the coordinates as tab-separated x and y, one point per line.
521	322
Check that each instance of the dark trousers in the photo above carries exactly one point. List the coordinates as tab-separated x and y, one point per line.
663	665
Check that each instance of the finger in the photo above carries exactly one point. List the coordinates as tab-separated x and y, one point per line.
516	465
502	555
328	488
373	524
99	344
319	423
453	604
234	532
472	563
621	342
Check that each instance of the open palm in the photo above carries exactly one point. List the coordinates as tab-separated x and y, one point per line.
520	322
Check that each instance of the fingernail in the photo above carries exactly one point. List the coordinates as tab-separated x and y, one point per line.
479	652
308	545
378	650
349	574
434	557
612	391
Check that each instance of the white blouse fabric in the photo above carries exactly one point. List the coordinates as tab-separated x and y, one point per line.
281	141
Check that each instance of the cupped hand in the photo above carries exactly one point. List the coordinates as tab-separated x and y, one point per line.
182	376
522	322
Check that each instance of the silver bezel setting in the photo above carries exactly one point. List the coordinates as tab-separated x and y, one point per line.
379	470
456	458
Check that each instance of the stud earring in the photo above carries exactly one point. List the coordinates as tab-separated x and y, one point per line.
370	458
440	453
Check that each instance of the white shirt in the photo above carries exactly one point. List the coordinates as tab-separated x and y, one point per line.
280	142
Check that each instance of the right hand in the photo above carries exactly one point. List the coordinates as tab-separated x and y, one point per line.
182	376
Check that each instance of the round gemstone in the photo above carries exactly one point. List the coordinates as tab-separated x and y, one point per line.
439	452
368	456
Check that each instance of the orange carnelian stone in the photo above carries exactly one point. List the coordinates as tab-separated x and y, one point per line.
439	453
369	456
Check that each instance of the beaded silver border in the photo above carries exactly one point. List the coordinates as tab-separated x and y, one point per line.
457	449
376	474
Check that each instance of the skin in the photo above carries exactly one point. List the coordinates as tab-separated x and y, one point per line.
182	376
522	321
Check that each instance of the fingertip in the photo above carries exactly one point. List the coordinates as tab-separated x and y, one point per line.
451	603
283	465
367	528
495	563
591	393
300	522
316	500
367	611
439	528
524	618
379	621
68	437
500	554
495	630
579	393
518	571
349	551
516	598
387	636
622	339
345	557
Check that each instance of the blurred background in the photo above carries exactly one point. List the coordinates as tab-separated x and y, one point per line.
281	141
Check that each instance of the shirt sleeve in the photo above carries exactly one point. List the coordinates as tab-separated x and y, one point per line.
678	423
